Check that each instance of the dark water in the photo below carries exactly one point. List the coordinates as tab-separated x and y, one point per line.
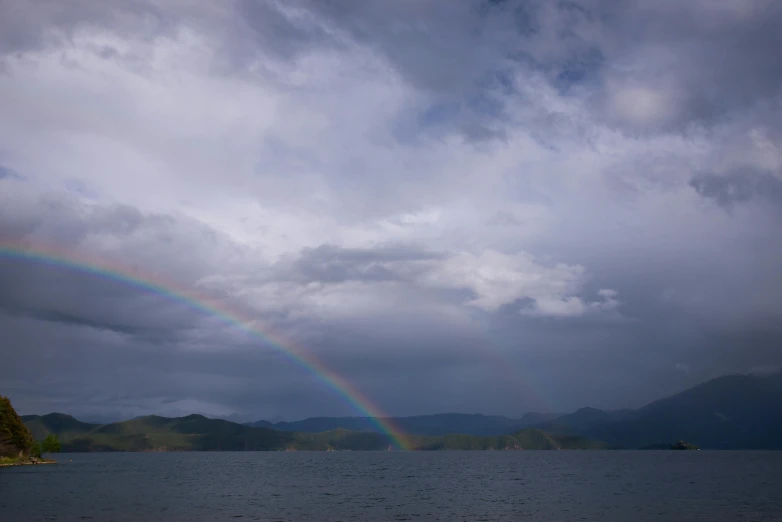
449	486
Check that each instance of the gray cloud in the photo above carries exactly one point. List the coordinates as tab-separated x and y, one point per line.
332	264
739	187
70	319
40	23
726	59
7	173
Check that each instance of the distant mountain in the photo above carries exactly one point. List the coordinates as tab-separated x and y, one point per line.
536	417
730	412
582	420
198	433
320	424
433	425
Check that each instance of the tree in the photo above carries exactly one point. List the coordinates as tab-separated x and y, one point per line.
14	435
50	444
35	450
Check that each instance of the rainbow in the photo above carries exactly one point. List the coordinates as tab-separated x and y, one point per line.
54	257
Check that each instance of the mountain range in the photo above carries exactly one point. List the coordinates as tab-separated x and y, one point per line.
198	433
730	412
437	424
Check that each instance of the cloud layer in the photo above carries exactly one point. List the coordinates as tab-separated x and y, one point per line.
490	206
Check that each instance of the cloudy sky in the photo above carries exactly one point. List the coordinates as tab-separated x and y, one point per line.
473	206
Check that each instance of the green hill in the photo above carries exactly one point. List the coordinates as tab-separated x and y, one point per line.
339	440
58	423
153	433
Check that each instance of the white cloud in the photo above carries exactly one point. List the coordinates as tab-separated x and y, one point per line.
499	279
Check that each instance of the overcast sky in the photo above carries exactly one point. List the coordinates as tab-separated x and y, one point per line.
458	206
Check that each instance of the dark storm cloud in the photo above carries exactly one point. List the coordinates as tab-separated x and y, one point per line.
449	47
723	54
739	187
95	374
705	59
77	296
70	319
65	296
701	60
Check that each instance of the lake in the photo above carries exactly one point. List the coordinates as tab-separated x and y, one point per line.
380	486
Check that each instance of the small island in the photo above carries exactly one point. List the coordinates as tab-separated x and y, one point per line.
17	446
681	445
678	445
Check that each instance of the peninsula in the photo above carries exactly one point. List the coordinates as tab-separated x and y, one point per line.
17	446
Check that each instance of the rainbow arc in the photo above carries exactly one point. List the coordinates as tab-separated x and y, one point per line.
187	297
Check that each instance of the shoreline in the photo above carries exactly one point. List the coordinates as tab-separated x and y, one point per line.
27	462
